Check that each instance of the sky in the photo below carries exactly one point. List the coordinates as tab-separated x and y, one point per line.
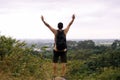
94	19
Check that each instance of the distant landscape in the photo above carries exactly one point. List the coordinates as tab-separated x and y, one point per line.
50	41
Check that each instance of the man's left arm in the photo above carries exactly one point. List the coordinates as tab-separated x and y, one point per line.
51	28
68	27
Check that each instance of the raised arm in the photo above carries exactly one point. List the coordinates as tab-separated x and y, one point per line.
52	29
68	27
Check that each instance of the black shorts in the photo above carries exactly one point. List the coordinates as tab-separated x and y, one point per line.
61	55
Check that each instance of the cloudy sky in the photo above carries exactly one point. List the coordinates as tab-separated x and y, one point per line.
95	19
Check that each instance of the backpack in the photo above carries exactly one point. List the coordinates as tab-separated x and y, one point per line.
61	40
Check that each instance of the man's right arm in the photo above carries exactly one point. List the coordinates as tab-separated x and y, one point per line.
68	27
52	29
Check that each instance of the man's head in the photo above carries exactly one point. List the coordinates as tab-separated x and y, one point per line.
60	25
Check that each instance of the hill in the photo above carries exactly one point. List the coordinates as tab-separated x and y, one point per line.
86	61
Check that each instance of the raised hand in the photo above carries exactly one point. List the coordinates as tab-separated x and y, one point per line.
42	18
73	16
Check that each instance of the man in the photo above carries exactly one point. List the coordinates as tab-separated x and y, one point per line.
56	52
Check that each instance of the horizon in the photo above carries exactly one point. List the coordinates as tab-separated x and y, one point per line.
99	19
68	39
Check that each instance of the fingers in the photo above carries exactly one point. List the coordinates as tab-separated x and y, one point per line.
42	17
73	16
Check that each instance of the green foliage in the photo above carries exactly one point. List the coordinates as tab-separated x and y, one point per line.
82	54
85	61
110	74
116	44
20	62
104	66
87	44
6	45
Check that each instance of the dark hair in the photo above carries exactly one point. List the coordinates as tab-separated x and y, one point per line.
60	25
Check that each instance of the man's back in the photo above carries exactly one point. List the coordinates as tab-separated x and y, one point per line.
60	40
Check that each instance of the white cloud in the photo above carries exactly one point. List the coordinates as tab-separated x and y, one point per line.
94	18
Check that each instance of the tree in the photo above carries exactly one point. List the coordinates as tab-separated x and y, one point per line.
87	44
6	45
116	44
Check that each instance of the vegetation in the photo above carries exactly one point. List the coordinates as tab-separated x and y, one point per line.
86	61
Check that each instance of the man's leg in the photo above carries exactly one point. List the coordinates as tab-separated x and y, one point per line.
64	62
55	60
54	69
63	69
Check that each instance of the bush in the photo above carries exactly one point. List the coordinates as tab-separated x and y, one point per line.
110	74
